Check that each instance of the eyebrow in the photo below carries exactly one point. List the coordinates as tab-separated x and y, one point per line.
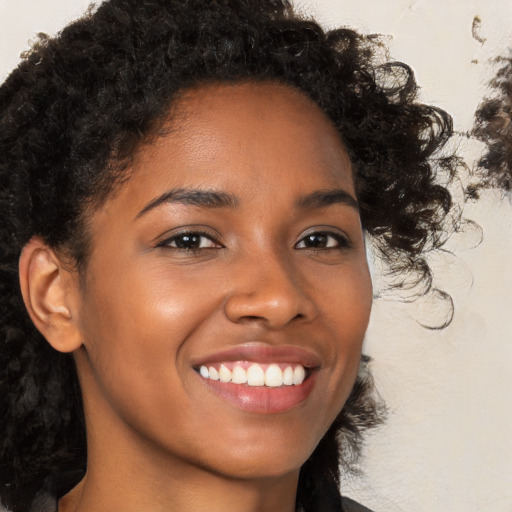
194	197
322	198
216	199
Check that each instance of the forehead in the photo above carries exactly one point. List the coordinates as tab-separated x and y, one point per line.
259	136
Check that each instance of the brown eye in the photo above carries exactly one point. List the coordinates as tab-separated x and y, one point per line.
322	240
190	242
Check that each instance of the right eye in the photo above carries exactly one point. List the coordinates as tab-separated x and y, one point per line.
190	241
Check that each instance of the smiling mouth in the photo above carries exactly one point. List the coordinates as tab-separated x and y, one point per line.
260	378
255	374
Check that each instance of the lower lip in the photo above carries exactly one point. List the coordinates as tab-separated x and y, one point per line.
262	399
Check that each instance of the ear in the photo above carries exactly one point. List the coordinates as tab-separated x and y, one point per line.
50	292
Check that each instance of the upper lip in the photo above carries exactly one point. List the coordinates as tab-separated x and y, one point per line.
263	353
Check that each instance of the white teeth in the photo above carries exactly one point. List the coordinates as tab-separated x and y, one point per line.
288	376
299	375
239	375
224	374
273	376
255	375
213	373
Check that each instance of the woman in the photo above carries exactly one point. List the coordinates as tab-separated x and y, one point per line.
187	186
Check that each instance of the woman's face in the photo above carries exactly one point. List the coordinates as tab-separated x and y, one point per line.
233	252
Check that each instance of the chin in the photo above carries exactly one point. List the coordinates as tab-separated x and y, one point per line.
274	459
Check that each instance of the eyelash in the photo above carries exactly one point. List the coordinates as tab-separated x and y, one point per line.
340	241
166	244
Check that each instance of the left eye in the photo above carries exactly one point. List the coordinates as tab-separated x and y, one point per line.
190	242
322	240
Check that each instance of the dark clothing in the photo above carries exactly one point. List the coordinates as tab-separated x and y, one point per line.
352	506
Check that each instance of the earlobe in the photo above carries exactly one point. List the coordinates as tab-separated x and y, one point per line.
50	294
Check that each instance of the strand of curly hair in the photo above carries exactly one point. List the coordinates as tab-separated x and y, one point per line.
493	126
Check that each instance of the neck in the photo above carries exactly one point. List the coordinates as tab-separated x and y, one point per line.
207	494
113	483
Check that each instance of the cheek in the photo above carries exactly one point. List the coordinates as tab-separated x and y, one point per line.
346	308
346	300
135	330
135	324
135	304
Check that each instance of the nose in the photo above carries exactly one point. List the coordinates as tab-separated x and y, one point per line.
269	291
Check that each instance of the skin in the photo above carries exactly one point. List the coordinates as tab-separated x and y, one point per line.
146	311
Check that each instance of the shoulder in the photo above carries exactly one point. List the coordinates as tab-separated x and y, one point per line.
350	505
54	486
44	502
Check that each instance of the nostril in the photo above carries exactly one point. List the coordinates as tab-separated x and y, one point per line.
252	318
264	319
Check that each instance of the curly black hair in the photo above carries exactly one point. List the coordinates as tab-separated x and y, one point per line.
493	126
77	108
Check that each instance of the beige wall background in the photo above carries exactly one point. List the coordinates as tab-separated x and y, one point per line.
447	444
